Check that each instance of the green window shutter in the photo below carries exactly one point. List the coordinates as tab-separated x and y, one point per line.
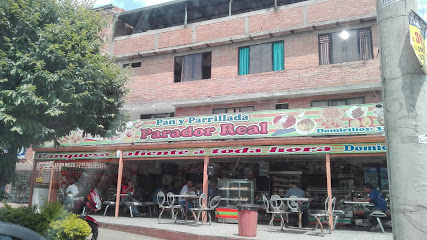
278	56
243	60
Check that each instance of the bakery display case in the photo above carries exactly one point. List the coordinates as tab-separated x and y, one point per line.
232	193
235	191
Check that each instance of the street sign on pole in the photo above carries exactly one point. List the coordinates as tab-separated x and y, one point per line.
417	30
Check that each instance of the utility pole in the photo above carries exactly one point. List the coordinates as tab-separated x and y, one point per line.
405	102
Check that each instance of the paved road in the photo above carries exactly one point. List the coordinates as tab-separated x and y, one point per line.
107	234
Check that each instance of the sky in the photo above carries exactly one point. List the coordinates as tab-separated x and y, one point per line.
129	4
422	9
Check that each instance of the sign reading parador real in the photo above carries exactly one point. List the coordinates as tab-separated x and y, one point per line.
221	151
342	120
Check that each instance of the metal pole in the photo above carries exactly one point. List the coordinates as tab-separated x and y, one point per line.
51	181
275	4
205	183
119	182
329	189
229	7
405	108
32	179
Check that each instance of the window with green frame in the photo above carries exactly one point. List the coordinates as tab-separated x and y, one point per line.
260	58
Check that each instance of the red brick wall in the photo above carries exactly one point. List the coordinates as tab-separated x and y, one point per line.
176	38
220	30
154	83
134	44
274	20
335	9
305	102
154	80
289	16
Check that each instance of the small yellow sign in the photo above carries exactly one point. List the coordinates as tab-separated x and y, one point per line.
417	30
39	180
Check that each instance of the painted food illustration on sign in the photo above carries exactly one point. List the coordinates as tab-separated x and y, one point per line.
361	122
358	117
132	128
306	126
379	113
284	123
331	118
331	112
331	123
357	112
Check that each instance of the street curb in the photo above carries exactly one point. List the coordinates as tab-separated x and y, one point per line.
161	233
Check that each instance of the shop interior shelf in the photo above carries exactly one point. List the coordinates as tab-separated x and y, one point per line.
231	189
235	199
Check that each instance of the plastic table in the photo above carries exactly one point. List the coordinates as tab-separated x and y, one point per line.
298	201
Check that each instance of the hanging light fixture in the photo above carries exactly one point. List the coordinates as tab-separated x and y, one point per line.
344	34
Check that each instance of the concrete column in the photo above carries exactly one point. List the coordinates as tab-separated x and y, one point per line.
32	180
52	170
329	188
405	98
205	182
119	183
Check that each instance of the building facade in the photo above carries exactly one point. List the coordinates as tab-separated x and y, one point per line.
271	92
349	72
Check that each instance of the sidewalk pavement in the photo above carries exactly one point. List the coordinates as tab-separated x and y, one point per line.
167	229
107	234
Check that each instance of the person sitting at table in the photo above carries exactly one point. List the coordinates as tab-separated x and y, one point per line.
129	189
298	192
211	190
186	189
380	204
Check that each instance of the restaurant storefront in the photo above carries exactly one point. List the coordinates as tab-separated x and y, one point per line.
327	151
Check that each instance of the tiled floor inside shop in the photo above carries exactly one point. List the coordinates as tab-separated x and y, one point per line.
167	229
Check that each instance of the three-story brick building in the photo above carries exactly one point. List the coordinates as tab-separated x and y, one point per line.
267	90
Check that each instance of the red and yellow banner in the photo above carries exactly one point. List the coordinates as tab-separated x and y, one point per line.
222	151
339	120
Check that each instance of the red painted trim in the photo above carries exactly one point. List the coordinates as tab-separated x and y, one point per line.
227	216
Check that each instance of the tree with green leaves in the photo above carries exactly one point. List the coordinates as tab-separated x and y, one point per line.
53	76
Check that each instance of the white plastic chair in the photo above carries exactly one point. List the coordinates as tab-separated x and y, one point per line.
338	216
172	205
213	204
378	214
161	200
294	208
325	215
273	207
202	207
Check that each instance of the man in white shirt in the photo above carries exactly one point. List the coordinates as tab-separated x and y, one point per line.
186	189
